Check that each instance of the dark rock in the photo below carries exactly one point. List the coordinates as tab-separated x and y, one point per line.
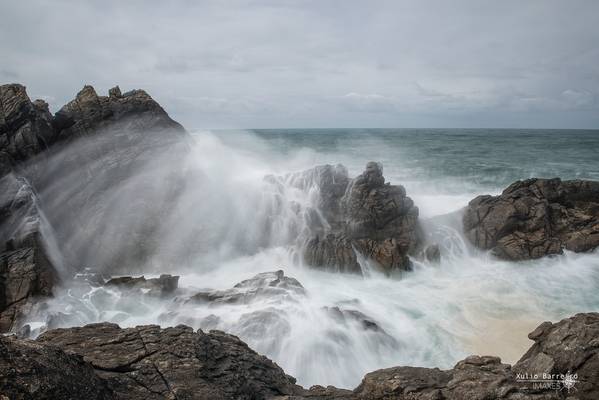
34	371
26	269
25	127
365	215
148	362
535	218
115	136
569	346
88	113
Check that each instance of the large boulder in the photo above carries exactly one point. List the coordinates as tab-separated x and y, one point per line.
148	363
365	216
535	218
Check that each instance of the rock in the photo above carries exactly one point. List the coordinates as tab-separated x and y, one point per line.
109	138
34	371
364	215
133	111
432	253
25	127
569	346
535	218
163	285
148	362
274	286
26	268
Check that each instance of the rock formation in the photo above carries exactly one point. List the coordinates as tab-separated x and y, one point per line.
26	268
535	218
38	221
363	215
148	362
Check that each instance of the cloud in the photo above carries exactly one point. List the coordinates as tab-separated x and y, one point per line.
304	64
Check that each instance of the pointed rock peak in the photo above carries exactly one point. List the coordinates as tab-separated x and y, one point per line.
41	105
115	92
88	92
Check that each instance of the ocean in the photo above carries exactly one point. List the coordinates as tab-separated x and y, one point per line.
434	316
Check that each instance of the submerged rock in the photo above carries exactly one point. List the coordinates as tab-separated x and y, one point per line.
535	218
163	285
365	216
274	286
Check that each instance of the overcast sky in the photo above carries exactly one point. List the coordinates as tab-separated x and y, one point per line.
250	64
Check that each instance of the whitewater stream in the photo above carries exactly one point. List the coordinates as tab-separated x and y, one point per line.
243	224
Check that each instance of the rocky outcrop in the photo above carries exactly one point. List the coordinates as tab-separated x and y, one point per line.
148	362
109	138
25	127
365	217
26	269
535	218
134	111
569	346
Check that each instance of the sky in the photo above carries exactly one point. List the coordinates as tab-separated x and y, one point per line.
322	63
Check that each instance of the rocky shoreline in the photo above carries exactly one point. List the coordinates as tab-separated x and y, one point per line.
102	138
103	361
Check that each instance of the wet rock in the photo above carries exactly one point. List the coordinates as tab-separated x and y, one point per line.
431	253
148	362
274	286
163	285
108	137
26	270
34	371
367	216
535	218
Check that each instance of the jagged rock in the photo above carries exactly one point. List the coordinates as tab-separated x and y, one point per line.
366	215
272	285
26	270
110	138
163	285
569	346
25	127
535	218
148	362
88	113
33	371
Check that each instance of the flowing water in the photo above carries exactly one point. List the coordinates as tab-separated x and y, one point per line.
469	303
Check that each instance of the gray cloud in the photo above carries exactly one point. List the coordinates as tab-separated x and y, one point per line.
313	63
